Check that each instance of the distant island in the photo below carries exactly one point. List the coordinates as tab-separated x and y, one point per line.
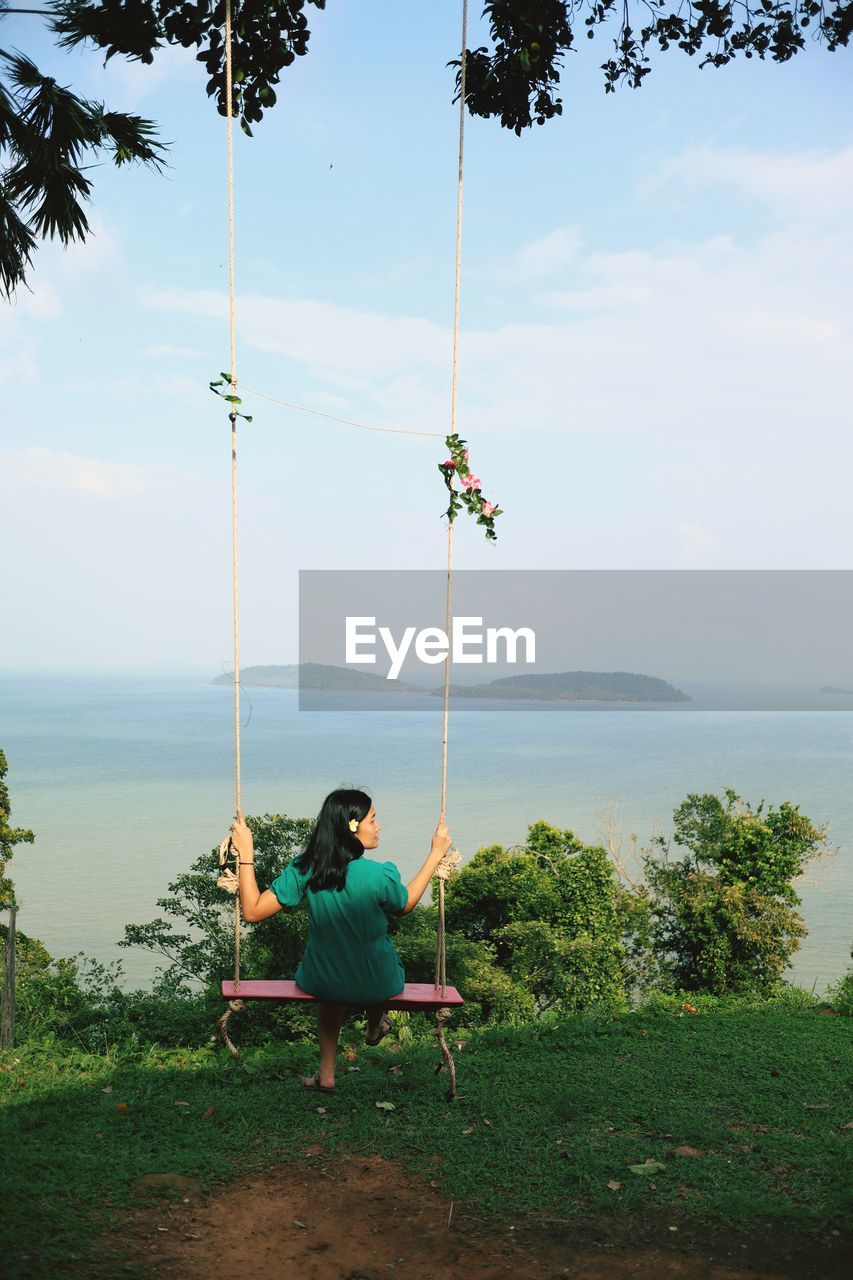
565	686
314	675
831	688
577	686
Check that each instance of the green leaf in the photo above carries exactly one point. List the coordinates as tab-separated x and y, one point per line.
652	1166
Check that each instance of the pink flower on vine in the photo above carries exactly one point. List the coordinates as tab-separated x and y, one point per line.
449	465
471	481
466	453
488	508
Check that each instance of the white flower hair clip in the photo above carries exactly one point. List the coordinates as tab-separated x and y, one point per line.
353	825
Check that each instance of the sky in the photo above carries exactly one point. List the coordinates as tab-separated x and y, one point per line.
655	364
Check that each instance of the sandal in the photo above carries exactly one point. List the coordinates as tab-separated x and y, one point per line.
385	1028
313	1082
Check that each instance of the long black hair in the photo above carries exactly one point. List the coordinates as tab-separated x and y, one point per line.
333	846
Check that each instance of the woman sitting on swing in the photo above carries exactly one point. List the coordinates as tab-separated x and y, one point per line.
350	959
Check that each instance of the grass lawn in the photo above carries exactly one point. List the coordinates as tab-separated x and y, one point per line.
745	1113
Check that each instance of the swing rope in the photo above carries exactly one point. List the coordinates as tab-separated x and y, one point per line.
441	950
232	342
441	942
229	879
235	1005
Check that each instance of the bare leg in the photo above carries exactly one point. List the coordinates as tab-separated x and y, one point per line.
330	1019
375	1018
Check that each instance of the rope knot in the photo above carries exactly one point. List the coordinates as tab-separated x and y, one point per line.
448	864
227	881
442	1016
234	1006
227	876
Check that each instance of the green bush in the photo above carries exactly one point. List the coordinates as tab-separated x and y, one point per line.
724	914
642	970
48	994
534	932
200	950
528	930
549	910
78	999
491	994
839	995
9	837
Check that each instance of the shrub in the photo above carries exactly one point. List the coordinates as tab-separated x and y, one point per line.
48	995
549	909
839	995
528	930
9	837
200	952
724	917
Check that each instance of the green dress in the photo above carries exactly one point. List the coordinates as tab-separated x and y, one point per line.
349	958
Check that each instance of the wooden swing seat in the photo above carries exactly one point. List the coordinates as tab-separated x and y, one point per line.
414	996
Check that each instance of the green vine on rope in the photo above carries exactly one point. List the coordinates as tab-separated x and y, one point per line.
470	495
224	380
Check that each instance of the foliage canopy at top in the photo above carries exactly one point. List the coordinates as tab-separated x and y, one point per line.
46	131
516	78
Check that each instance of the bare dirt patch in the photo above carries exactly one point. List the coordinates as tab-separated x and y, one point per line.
364	1218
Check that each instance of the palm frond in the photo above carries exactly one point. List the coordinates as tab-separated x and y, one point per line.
48	110
131	28
60	213
36	169
133	138
53	188
21	69
8	115
45	131
18	245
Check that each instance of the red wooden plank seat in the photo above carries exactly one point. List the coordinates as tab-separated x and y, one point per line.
415	995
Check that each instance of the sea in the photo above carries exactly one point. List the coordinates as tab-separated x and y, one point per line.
125	780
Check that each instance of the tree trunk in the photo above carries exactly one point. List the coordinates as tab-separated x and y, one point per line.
7	1024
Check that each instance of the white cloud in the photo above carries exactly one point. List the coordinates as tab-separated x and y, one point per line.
698	543
189	390
39	302
601	298
42	301
356	350
112	563
331	403
549	254
18	345
19	365
136	81
132	389
41	469
793	183
100	252
702	388
166	351
706	341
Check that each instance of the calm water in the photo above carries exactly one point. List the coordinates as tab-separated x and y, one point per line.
126	781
